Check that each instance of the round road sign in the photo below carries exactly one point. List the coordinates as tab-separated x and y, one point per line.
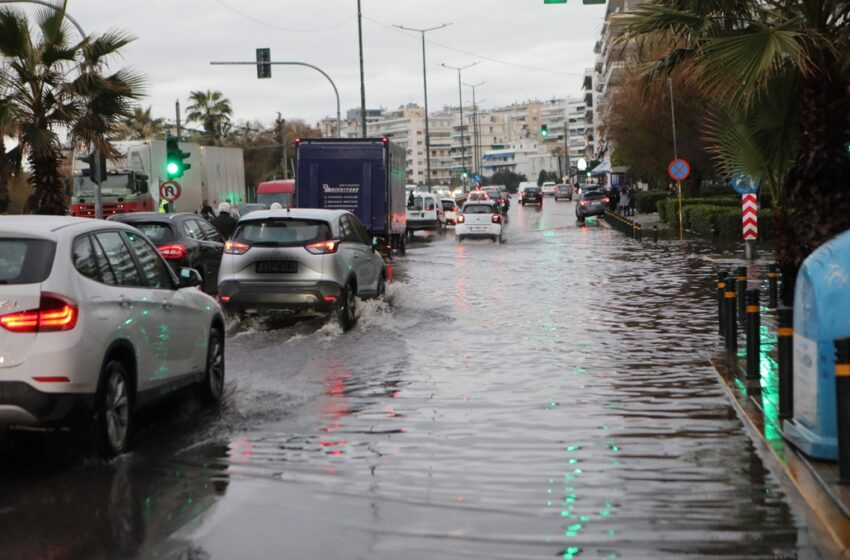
170	190
679	169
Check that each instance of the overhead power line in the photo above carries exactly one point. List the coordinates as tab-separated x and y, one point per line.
279	28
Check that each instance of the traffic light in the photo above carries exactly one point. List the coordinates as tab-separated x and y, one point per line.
96	161
465	174
264	67
544	130
174	156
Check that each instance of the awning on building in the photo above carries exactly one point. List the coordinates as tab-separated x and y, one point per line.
602	168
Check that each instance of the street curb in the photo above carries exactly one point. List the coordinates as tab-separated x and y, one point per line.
827	523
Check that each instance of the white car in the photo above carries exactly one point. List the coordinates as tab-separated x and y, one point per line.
548	188
425	213
94	324
479	219
450	210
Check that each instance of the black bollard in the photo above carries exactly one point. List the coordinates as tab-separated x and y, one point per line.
741	291
753	324
639	232
655	233
721	315
842	395
785	357
772	287
731	312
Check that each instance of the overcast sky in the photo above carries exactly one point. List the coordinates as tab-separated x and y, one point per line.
177	39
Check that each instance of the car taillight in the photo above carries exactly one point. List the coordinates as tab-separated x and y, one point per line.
173	252
322	247
460	218
235	248
496	218
454	208
605	200
54	313
585	202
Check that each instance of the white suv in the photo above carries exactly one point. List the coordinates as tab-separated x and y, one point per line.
94	324
479	219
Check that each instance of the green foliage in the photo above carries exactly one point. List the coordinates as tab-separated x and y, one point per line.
213	111
646	202
505	177
661	207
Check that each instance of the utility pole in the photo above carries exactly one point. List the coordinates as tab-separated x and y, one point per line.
460	100
476	148
422	32
177	111
362	81
676	156
567	142
98	192
281	124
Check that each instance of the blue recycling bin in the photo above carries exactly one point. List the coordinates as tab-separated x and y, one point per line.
821	314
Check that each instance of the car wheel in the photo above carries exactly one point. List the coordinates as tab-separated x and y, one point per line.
113	409
212	386
345	308
382	286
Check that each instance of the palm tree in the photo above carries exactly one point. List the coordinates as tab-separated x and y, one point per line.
141	125
735	50
212	111
53	86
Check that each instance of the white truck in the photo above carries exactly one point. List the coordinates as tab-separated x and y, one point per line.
132	182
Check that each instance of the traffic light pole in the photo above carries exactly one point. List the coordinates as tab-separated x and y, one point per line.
460	100
98	194
316	68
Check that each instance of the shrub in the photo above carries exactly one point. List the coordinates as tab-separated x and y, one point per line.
661	206
646	202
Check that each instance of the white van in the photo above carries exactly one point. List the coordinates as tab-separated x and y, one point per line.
425	212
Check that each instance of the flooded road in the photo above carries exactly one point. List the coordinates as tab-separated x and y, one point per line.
548	397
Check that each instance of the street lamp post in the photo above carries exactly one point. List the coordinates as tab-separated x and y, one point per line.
422	32
460	100
316	68
362	80
476	148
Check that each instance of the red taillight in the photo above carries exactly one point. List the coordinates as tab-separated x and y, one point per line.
174	252
496	218
224	298
235	248
54	313
605	200
454	208
322	247
460	218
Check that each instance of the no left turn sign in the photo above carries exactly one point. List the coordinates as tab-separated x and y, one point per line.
170	190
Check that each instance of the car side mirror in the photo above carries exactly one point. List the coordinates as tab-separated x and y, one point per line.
378	242
190	278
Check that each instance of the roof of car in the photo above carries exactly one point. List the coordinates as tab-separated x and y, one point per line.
305	213
48	227
150	217
472	202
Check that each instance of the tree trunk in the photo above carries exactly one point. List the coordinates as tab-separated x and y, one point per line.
5	175
48	184
816	188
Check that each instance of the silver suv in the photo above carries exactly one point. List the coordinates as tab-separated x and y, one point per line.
306	261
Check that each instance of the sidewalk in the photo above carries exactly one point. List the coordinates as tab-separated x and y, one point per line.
811	485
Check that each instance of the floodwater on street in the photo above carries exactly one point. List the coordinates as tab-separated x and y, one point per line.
547	397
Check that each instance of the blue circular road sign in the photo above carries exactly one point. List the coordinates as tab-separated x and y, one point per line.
744	184
679	169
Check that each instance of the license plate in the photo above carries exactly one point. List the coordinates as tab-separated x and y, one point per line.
277	267
478	229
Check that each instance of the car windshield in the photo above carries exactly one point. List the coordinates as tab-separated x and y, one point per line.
593	195
155	231
114	185
282	232
532	190
25	261
477	209
266	199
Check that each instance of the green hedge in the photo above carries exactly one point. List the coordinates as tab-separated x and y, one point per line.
661	207
702	218
646	202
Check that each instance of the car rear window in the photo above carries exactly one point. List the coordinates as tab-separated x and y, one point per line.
532	189
155	231
594	195
448	205
282	232
477	209
25	261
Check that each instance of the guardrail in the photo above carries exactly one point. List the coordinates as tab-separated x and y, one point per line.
627	226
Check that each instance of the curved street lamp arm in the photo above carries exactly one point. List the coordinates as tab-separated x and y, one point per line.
51	6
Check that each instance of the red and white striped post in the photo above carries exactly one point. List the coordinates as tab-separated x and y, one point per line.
750	222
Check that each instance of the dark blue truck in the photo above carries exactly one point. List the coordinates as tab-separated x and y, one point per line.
365	176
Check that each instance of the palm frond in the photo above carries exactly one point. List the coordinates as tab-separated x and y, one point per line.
98	49
15	37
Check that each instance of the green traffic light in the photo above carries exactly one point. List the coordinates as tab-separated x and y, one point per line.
172	168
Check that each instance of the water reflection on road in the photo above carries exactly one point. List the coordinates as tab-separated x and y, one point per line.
546	397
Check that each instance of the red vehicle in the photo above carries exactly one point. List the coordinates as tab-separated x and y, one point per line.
122	191
282	192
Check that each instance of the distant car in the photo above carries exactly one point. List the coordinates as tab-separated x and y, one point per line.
480	219
95	325
531	195
450	210
495	193
304	261
548	188
587	187
245	209
425	213
185	240
563	192
476	196
592	202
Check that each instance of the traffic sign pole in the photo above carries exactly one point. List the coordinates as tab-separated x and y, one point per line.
679	170
750	220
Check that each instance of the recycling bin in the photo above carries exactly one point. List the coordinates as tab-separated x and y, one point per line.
821	314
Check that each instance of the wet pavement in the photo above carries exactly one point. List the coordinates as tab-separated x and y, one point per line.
548	397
